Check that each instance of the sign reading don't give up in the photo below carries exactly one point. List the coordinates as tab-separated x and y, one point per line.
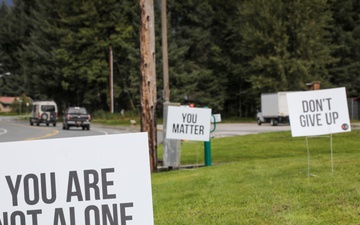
185	123
318	112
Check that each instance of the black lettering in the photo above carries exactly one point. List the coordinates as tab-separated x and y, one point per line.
17	214
44	189
183	117
106	215
106	183
5	219
328	119
312	105
125	217
302	121
181	129
328	101
14	190
59	217
196	130
95	215
185	126
201	130
35	183
91	185
175	128
331	117
191	118
335	116
194	118
73	180
318	105
305	106
34	214
72	216
310	120
318	120
191	129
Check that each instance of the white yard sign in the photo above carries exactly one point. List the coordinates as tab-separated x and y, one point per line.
86	180
318	112
186	123
216	118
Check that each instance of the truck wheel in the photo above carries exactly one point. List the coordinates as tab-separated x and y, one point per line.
259	121
274	122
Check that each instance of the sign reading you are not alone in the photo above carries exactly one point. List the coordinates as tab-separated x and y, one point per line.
318	112
76	181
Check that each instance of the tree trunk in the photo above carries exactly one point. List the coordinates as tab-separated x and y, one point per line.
148	78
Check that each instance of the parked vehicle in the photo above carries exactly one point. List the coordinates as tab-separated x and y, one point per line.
76	117
43	112
274	109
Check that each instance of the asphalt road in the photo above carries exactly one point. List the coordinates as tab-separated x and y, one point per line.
12	129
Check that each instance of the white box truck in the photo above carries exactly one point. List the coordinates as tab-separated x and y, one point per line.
274	109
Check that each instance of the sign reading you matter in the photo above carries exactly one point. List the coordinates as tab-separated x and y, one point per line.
318	112
76	181
185	123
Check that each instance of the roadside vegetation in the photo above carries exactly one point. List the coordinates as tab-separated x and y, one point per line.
107	118
262	179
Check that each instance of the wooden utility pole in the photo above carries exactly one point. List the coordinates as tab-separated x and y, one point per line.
171	147
148	78
111	94
165	51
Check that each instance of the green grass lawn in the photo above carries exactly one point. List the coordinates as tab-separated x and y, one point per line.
263	179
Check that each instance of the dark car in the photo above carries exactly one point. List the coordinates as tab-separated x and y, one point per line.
76	117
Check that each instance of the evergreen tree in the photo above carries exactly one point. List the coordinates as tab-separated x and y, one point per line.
4	48
346	34
13	36
221	55
90	28
191	47
286	42
38	62
228	61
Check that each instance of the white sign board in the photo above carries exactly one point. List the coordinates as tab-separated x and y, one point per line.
185	123
318	112
85	180
216	118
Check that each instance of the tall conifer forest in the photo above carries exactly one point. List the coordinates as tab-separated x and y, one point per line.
221	54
